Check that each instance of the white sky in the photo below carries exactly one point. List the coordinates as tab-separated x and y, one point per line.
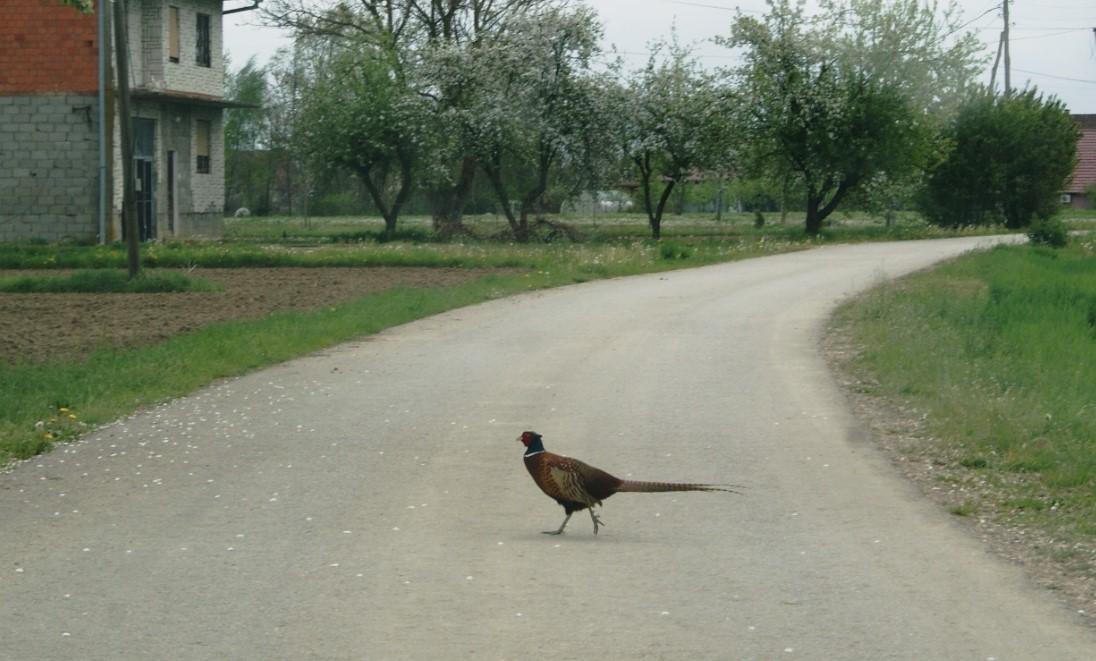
1053	43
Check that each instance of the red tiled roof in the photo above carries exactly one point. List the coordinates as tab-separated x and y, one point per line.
1084	175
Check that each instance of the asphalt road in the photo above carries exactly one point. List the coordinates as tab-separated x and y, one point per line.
370	502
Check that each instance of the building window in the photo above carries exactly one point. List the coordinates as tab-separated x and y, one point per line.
173	34
1066	198
203	45
202	142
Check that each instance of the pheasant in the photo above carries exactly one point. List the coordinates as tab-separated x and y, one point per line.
577	486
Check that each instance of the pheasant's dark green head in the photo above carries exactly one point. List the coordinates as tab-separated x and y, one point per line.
532	441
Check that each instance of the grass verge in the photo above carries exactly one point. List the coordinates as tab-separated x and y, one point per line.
998	351
105	281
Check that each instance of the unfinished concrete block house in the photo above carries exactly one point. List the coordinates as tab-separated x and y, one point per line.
60	163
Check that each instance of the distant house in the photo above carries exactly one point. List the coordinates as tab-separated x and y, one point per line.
1083	182
55	162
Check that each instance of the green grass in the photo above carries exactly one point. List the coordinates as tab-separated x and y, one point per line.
592	229
999	349
105	281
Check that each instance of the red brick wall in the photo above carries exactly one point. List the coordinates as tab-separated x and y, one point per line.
46	47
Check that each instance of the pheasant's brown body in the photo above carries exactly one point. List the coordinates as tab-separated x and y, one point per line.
576	485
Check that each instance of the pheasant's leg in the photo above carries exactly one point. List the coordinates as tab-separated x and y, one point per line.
596	519
561	526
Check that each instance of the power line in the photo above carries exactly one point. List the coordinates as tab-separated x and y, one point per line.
1050	75
1049	34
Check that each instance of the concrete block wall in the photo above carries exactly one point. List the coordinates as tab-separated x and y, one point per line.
48	167
208	190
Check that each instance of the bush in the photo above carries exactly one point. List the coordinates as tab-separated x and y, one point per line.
1007	162
672	250
1049	232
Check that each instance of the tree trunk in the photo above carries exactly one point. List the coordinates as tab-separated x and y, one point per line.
719	201
390	213
817	212
449	203
656	220
814	218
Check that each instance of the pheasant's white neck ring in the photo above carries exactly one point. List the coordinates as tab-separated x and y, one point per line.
530	454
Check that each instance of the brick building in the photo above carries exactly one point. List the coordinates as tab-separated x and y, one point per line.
50	136
1083	181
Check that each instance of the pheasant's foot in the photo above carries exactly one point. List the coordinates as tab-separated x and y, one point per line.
596	519
561	526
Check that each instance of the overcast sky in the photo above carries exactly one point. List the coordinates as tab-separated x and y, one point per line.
1053	42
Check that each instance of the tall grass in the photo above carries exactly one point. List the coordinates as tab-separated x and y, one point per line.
999	349
105	281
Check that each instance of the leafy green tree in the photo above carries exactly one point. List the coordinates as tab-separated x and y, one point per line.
909	45
1008	162
848	100
427	42
358	115
813	115
671	125
534	115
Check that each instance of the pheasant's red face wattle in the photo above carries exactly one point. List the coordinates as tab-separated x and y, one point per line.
528	437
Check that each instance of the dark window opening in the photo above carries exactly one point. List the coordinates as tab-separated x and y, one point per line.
202	56
202	143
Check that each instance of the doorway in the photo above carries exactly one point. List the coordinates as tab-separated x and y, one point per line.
144	139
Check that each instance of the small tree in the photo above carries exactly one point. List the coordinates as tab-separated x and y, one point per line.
1008	162
359	115
849	96
672	126
534	110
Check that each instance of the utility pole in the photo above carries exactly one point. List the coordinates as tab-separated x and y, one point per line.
996	61
125	126
1008	59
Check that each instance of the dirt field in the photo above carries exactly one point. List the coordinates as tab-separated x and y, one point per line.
70	325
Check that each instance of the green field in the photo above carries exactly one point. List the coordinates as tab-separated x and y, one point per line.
998	350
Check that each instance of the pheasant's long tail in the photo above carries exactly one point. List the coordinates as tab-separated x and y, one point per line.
655	487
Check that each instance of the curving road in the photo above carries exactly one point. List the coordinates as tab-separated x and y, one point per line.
370	502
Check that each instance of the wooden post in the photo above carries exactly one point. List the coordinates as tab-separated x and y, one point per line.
125	126
1008	59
